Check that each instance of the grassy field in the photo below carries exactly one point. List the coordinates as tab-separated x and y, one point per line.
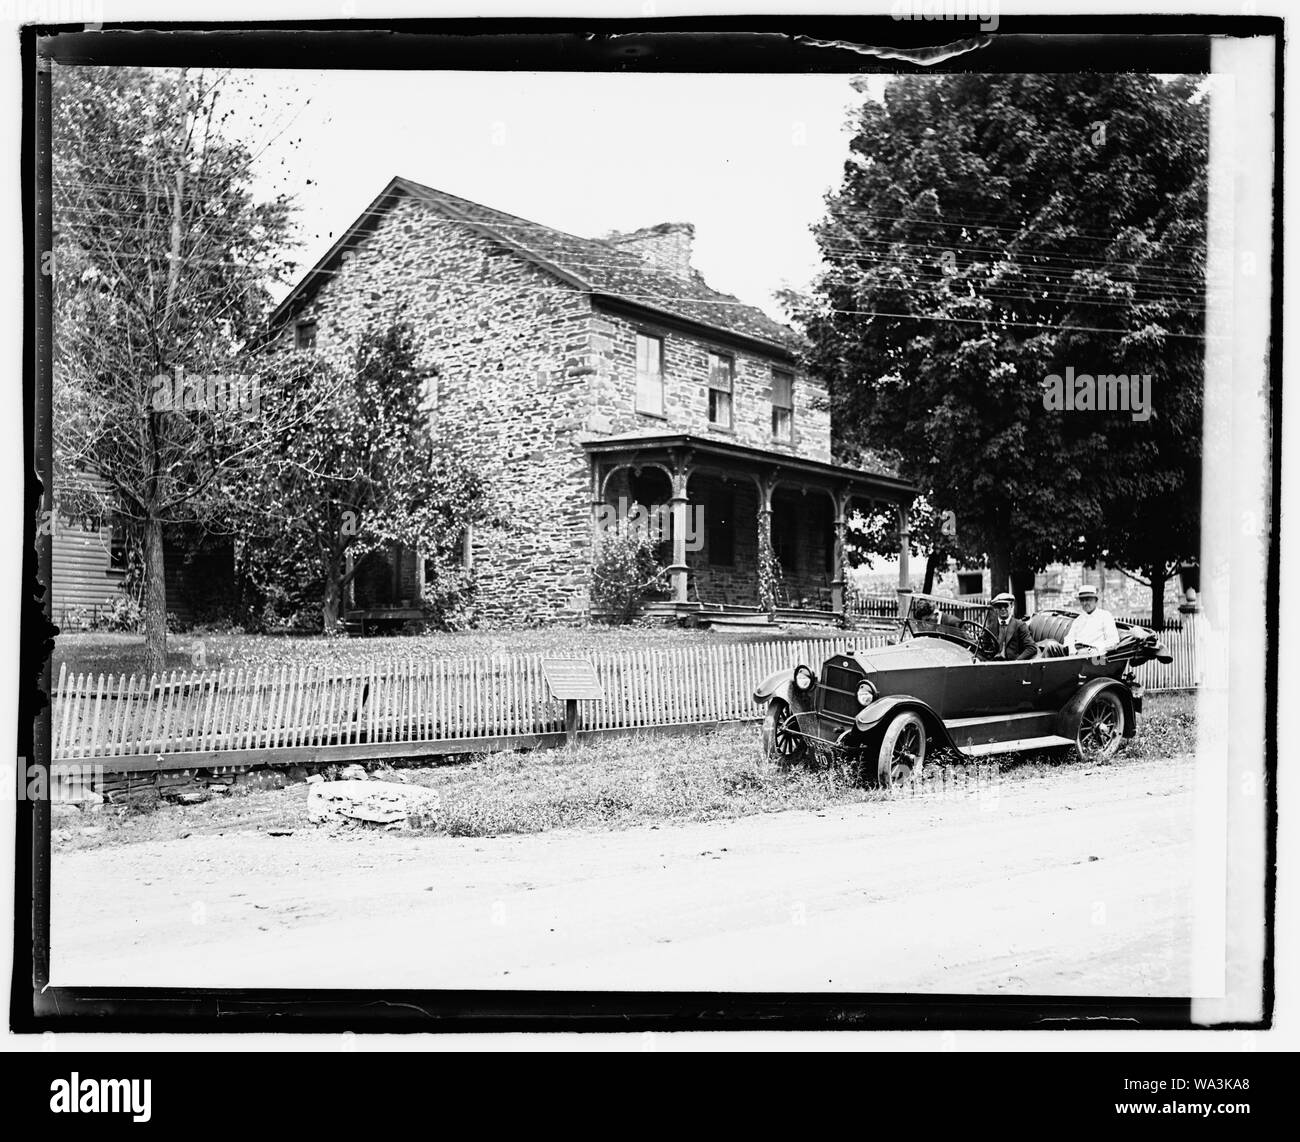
650	779
115	653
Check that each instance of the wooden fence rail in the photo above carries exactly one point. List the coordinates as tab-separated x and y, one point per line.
384	704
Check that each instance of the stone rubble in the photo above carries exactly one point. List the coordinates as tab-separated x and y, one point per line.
371	802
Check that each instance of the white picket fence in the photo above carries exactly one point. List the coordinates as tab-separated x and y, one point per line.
244	712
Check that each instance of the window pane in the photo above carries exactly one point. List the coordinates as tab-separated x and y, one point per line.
721	372
720	408
649	375
783	390
650	393
782	424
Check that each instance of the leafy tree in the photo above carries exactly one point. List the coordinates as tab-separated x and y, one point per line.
991	232
931	533
358	471
162	263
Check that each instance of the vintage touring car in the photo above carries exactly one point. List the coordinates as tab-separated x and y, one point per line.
939	686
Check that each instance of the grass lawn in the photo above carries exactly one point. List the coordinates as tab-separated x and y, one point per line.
618	783
116	653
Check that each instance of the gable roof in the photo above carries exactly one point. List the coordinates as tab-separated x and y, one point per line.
589	264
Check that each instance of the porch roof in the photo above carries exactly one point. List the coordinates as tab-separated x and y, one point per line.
632	444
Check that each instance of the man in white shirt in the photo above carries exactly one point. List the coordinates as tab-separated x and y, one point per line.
1093	632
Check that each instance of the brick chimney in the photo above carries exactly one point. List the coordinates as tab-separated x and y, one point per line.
666	246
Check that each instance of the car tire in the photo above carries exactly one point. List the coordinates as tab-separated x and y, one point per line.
778	746
902	750
1101	727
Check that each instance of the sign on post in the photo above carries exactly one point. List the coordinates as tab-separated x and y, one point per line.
572	679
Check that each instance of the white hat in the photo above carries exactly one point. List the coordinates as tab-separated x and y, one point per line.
1087	592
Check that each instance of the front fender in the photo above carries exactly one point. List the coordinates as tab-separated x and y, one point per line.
882	709
777	685
1067	721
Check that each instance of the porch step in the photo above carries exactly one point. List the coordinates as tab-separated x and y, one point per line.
734	621
666	607
809	616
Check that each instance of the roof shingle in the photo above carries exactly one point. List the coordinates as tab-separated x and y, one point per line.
600	268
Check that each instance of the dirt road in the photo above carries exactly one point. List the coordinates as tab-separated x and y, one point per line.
1078	882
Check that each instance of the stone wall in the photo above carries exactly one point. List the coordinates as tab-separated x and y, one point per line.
511	346
686	390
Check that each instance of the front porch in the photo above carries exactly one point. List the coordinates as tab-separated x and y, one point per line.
753	537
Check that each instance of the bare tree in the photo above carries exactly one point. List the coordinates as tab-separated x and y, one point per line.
163	260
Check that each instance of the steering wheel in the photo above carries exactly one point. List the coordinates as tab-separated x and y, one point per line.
980	635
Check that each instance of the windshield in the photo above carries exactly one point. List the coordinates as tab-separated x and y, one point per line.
930	614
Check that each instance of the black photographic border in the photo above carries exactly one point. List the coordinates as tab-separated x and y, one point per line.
706	43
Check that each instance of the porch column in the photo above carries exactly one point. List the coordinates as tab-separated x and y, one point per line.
678	569
904	543
766	559
841	499
598	518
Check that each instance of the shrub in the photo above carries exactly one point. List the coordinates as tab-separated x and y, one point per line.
121	612
624	571
450	599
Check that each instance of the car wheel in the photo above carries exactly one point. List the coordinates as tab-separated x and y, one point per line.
1101	728
902	750
779	744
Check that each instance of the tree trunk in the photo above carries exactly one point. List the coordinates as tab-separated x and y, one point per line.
155	599
999	568
931	562
333	599
1022	582
1158	597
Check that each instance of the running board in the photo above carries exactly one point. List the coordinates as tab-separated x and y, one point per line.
986	719
1048	741
992	732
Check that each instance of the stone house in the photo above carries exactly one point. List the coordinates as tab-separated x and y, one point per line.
601	374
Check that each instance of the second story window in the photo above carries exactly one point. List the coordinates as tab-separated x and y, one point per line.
649	375
722	377
304	335
783	407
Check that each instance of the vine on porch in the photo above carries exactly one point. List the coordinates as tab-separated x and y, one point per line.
769	567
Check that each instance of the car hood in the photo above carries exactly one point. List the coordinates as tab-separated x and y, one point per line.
911	654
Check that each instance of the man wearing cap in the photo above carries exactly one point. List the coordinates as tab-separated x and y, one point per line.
1014	639
1093	632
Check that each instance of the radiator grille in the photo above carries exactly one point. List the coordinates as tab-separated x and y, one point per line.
839	690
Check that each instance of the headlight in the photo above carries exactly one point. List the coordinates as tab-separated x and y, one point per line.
866	693
803	678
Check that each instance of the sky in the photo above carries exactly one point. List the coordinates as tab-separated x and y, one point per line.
747	158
